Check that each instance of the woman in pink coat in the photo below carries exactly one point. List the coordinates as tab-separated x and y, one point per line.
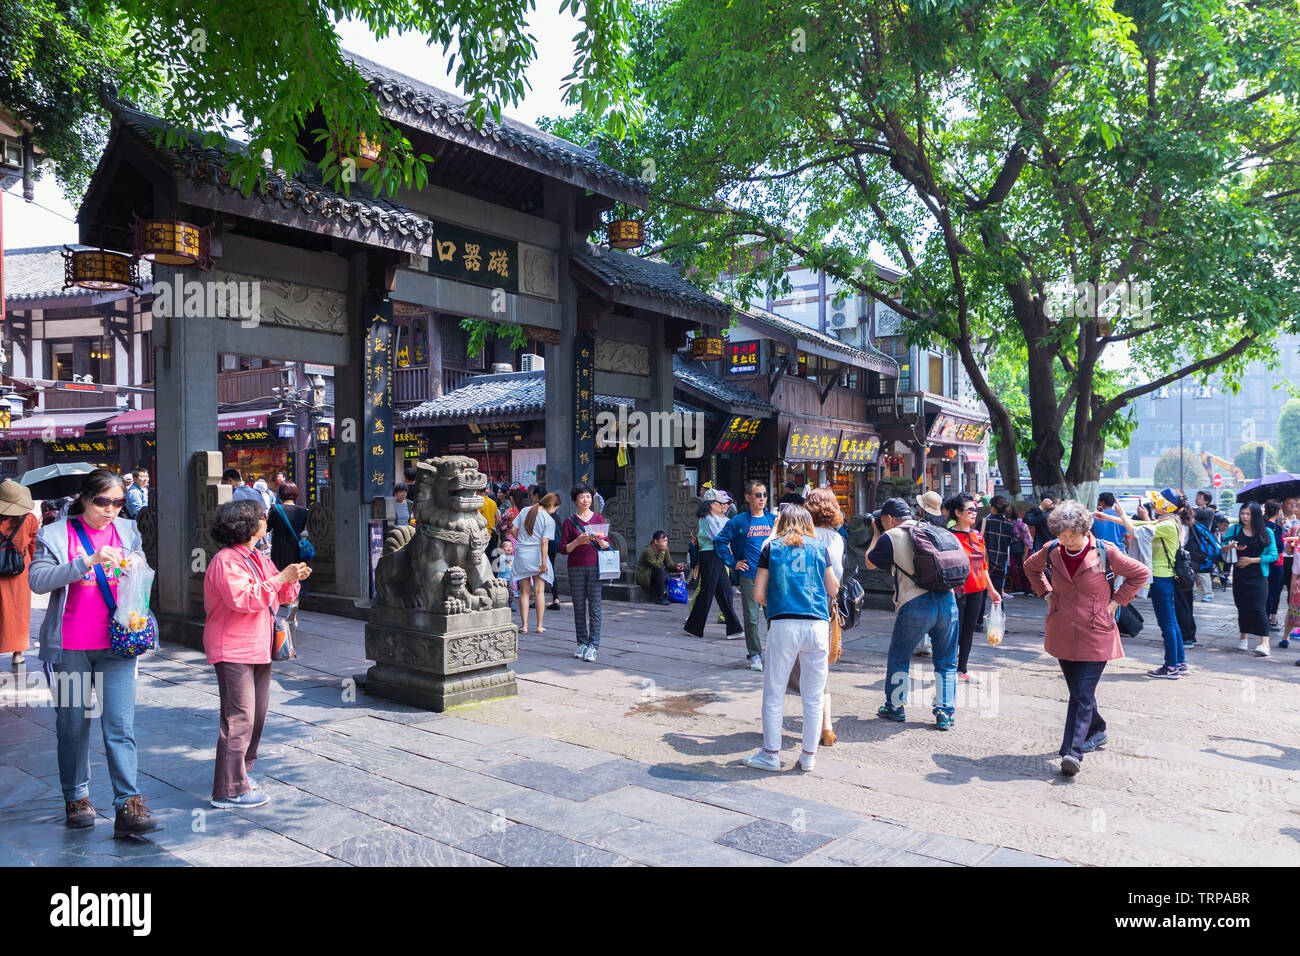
1081	632
241	592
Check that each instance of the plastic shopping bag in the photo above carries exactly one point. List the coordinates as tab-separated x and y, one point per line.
995	624
133	629
677	590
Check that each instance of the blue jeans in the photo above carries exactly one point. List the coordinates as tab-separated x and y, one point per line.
1162	596
584	584
113	679
935	614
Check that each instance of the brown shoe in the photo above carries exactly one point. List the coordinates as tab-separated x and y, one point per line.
828	737
134	819
80	813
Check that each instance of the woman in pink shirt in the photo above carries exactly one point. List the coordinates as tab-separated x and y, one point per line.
241	592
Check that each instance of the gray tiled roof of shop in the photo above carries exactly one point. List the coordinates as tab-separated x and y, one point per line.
448	110
517	394
779	323
36	272
650	277
702	380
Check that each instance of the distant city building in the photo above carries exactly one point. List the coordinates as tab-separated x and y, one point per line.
1214	420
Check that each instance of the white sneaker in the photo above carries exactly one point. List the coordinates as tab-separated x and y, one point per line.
806	762
590	654
762	761
756	663
1243	645
924	649
581	652
1262	650
1208	599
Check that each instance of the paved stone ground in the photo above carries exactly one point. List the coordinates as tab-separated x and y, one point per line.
634	761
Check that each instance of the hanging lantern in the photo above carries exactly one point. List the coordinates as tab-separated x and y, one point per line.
172	243
100	270
626	234
368	152
706	348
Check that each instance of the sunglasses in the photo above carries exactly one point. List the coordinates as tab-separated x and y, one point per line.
758	494
971	510
104	502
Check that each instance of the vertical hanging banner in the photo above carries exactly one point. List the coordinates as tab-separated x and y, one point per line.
584	408
312	480
377	459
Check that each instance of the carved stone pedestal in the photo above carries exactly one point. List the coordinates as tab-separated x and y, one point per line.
437	661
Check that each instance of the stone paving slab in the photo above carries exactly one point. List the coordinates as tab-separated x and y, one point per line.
633	760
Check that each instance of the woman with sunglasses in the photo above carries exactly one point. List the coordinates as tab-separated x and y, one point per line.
75	646
970	599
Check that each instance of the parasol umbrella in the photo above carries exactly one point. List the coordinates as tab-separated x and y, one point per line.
56	481
1279	486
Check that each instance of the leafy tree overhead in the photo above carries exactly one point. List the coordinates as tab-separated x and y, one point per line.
1288	427
1167	476
1247	459
994	151
277	76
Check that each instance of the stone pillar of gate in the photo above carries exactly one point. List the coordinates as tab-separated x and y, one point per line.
652	459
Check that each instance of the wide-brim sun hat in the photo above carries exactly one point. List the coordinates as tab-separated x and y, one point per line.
1164	502
15	499
930	503
716	494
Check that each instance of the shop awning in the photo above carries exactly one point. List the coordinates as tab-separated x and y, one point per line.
128	423
61	425
142	420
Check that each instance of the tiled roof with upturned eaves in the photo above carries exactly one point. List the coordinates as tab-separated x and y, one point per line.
700	379
449	111
650	277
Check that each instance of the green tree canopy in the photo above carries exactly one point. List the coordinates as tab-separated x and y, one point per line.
1288	427
996	152
1167	475
1247	459
275	76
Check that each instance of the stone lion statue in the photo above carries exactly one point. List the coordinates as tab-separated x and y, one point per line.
441	564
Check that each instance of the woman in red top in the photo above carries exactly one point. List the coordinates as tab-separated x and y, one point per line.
970	600
241	592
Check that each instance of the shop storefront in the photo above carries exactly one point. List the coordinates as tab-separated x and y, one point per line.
839	459
955	451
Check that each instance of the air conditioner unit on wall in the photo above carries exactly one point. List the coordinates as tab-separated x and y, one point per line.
839	320
531	362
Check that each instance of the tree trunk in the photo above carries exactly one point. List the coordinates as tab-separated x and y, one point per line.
1045	460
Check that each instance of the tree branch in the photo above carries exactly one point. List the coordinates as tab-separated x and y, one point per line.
1111	407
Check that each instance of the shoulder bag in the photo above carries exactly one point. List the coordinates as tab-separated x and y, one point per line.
12	561
306	550
124	642
281	632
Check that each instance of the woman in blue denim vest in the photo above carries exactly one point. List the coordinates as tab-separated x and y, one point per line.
795	585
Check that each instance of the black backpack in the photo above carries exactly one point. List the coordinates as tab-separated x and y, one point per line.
850	600
1184	573
12	561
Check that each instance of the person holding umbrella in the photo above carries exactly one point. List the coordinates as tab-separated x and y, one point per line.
18	527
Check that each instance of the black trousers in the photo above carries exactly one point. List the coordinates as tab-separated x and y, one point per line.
970	608
658	583
1274	589
1082	719
1184	602
714	583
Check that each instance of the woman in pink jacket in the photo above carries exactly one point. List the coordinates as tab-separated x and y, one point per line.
241	592
1081	632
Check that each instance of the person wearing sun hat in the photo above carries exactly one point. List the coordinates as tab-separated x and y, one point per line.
18	527
1172	513
714	578
932	509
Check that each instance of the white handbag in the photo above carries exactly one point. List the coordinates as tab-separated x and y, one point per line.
608	564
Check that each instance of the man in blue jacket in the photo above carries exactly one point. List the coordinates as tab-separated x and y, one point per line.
744	534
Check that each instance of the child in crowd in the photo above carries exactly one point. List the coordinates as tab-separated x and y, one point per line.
503	565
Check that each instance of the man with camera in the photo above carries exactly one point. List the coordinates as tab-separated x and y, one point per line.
920	611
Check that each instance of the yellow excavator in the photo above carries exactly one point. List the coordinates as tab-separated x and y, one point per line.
1210	461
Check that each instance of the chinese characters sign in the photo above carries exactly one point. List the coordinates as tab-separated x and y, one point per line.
584	408
313	477
471	256
949	428
257	436
858	447
738	435
812	444
99	446
377	441
742	358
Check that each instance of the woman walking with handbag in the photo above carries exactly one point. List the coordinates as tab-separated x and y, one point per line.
287	521
241	593
533	530
78	560
1081	632
715	580
978	587
796	586
18	528
582	547
827	517
1254	550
